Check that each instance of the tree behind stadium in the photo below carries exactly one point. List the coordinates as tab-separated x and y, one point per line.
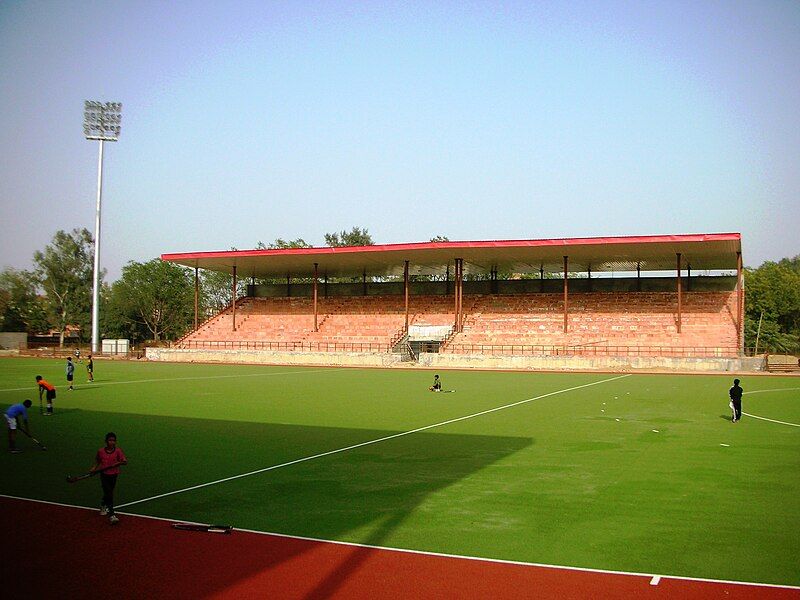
153	299
64	270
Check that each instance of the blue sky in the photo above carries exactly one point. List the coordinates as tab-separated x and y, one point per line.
475	120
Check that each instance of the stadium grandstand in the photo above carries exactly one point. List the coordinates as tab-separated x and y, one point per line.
638	301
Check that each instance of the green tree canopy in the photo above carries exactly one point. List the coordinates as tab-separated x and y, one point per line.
773	290
64	270
21	309
155	299
355	237
280	244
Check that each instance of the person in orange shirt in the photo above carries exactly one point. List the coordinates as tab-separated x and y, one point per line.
44	386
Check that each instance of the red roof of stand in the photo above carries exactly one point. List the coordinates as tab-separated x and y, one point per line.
714	251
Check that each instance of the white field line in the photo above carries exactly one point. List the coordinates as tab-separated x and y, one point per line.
436	554
772	390
771	420
367	443
99	384
655	580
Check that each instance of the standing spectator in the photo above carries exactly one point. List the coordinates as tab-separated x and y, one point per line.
108	460
90	368
736	400
51	394
12	420
70	372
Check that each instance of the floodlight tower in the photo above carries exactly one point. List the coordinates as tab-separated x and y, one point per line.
101	121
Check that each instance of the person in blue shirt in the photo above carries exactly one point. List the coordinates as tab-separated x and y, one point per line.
70	372
12	419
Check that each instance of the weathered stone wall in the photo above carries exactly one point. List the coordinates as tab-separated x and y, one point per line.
13	340
270	357
457	361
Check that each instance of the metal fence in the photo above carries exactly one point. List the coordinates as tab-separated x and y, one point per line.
592	350
284	346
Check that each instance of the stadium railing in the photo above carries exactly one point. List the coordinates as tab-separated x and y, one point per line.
594	350
283	346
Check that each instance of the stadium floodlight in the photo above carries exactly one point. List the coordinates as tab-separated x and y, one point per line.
102	122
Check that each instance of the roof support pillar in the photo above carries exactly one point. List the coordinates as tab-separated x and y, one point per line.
325	281
638	277
680	291
689	277
196	297
364	282
566	294
233	295
541	279
739	303
459	283
288	285
589	273
316	276
405	290
447	280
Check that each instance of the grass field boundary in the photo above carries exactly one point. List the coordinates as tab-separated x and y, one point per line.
106	383
650	576
370	442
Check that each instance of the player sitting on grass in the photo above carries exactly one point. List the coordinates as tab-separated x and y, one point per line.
108	460
437	384
12	414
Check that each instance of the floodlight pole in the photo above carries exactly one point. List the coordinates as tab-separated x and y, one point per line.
96	275
101	122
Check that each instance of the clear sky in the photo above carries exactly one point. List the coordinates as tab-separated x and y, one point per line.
475	120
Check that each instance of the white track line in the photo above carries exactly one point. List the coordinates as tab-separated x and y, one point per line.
367	443
771	420
655	580
437	554
99	384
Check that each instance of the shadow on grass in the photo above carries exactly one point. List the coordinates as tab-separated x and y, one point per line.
362	494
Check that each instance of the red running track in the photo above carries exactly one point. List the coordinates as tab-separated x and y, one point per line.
53	551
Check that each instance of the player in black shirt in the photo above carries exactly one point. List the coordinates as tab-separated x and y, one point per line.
437	384
736	400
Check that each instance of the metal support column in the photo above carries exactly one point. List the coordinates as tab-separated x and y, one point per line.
405	290
196	297
364	282
316	266
589	274
233	302
739	302
680	291
460	295
288	285
566	294
541	279
638	277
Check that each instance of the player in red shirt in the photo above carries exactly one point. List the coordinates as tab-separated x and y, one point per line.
51	394
108	460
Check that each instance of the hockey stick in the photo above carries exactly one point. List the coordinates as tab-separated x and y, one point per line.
35	441
225	529
74	478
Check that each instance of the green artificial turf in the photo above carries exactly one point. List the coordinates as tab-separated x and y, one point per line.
576	478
